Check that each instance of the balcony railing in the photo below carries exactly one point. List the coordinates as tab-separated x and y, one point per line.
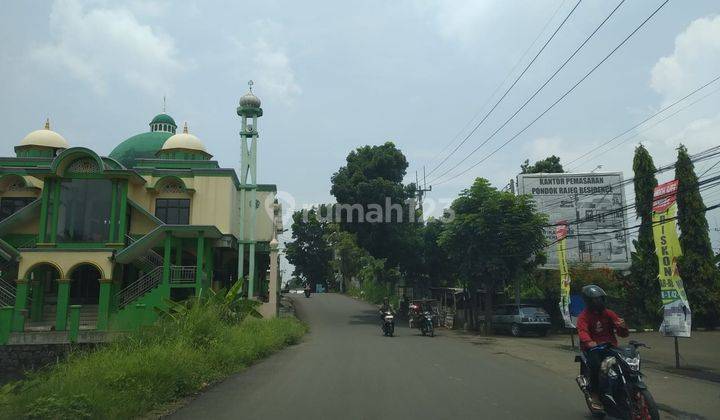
140	286
182	274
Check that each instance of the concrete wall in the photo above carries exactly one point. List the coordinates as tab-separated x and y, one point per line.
15	360
215	201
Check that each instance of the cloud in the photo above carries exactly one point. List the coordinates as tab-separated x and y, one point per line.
275	75
269	65
101	45
694	61
460	20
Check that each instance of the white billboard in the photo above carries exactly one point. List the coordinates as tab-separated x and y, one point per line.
593	205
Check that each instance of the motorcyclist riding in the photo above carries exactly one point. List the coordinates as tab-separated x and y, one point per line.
597	325
386	307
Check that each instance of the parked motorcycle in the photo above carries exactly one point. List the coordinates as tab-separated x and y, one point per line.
624	393
426	324
388	326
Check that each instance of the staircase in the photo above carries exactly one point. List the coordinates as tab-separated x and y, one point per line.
151	263
147	262
139	287
7	293
88	318
7	289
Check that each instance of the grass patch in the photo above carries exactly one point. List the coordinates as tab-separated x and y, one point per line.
145	370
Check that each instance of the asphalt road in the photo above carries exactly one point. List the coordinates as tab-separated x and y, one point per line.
345	369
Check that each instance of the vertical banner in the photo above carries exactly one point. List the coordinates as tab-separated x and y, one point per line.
561	234
676	309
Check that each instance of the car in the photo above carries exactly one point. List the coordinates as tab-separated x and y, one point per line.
521	319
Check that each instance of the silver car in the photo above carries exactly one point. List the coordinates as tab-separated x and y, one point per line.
518	320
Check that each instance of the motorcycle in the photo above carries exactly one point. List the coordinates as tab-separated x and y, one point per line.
388	326
307	292
426	324
624	393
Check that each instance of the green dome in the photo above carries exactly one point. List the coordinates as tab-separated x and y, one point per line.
163	119
141	146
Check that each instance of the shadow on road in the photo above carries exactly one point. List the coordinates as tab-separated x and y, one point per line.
369	317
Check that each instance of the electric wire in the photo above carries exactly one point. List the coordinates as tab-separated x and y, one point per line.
645	121
537	91
507	91
501	84
558	100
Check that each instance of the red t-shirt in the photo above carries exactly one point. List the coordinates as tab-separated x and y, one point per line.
599	327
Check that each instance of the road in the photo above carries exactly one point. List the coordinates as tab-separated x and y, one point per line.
345	369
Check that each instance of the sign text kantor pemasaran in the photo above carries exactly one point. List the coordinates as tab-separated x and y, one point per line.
593	205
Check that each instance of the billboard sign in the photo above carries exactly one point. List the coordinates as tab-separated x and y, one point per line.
593	204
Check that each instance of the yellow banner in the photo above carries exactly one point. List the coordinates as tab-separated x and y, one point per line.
564	276
677	317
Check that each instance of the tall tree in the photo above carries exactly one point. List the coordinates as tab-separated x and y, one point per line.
493	236
348	256
309	251
373	204
437	269
696	266
643	287
549	165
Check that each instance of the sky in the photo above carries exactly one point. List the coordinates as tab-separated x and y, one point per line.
337	75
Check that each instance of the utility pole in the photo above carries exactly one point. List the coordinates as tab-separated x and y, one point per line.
511	187
420	191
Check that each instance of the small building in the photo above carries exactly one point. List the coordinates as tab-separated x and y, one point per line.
118	235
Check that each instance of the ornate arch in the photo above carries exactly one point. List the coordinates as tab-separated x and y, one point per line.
12	182
30	269
77	160
100	271
170	184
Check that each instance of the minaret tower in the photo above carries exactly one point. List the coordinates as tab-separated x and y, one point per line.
249	110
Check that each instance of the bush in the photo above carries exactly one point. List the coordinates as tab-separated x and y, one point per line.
178	356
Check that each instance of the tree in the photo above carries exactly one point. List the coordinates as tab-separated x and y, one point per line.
643	287
309	251
372	203
348	256
696	266
436	264
549	165
493	236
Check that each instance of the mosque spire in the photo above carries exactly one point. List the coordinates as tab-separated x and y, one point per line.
47	123
164	104
185	128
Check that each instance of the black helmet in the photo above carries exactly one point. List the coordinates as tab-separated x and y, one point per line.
594	297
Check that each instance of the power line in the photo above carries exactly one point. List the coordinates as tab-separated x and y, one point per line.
501	84
537	91
517	79
627	229
698	157
650	117
705	184
563	96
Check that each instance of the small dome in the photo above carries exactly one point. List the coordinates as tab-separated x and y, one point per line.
45	138
249	100
185	141
163	119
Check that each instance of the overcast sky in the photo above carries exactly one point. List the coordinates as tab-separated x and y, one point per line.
336	75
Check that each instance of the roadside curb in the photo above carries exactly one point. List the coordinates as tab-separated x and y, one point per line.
287	308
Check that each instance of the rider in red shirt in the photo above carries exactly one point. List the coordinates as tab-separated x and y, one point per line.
597	325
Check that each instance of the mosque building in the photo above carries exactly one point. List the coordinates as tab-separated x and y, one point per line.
98	243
